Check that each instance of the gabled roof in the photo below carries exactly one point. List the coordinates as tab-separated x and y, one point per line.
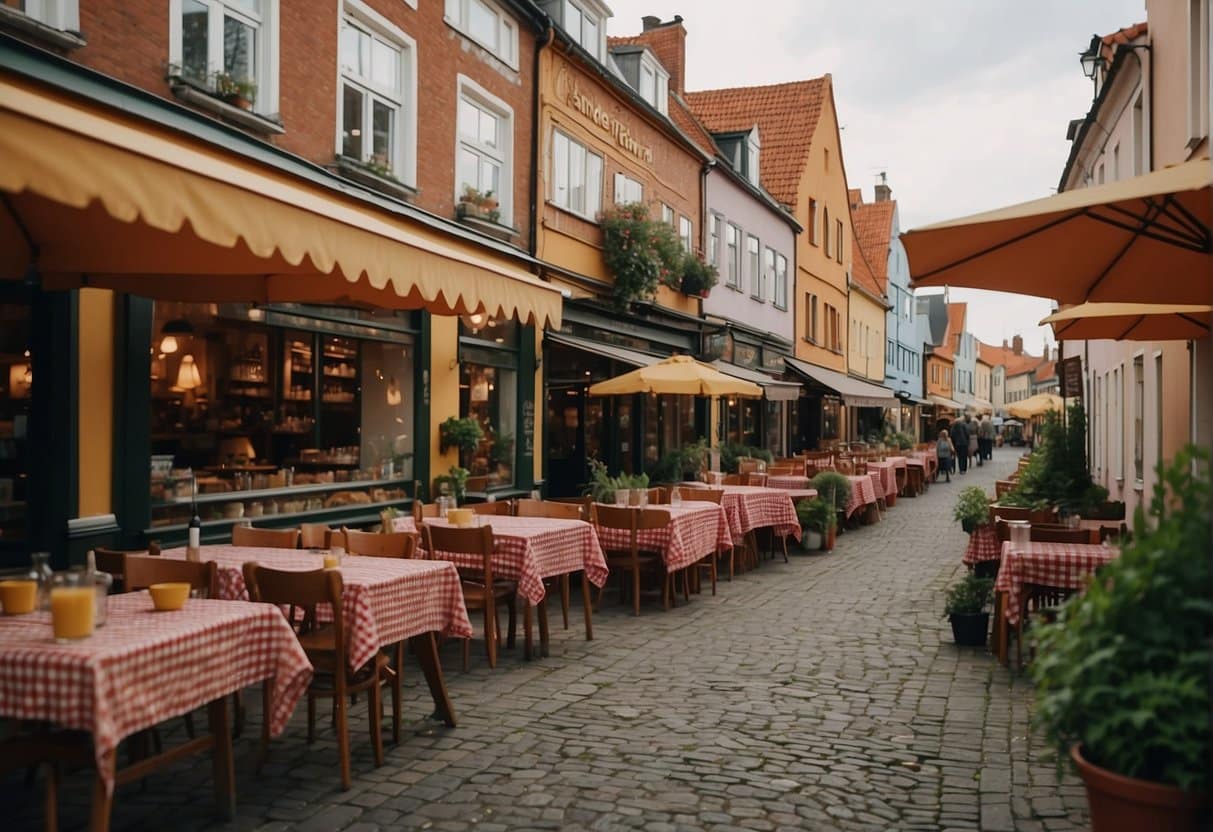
873	223
685	121
861	270
1128	34
786	115
1046	370
956	325
1005	357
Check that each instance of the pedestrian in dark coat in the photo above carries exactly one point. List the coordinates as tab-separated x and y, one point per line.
960	441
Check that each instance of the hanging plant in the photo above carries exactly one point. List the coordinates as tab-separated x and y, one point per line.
464	434
698	276
640	252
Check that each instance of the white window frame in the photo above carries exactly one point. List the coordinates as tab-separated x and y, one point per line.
661	82
733	278
753	265
599	48
780	298
627	189
482	98
686	233
1139	418
266	101
406	139
586	211
457	14
1199	70
667	215
1158	407
58	14
713	253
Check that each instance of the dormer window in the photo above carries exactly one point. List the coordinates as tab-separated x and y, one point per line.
742	150
585	27
645	74
753	147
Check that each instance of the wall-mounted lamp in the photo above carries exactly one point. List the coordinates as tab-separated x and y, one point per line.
1092	58
170	331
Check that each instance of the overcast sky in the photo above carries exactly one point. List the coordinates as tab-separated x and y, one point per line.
964	103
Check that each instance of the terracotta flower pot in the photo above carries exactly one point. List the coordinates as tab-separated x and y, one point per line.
1125	804
830	535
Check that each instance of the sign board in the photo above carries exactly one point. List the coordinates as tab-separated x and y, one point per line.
1071	377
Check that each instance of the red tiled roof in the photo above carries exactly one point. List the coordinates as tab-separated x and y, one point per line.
685	121
667	41
786	115
1006	357
873	223
1122	36
1046	371
861	270
854	196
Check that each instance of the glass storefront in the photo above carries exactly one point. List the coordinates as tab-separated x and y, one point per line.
16	389
279	411
488	393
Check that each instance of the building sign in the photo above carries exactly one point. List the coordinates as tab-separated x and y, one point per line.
528	428
570	91
1071	377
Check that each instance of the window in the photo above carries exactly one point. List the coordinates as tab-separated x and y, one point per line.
653	83
1139	137
667	215
810	315
484	155
58	14
838	240
627	189
374	118
1099	174
1198	71
1139	413
713	239
767	277
825	229
1118	439
1116	163
686	233
584	27
1158	405
487	24
754	265
781	282
237	38
753	149
813	221
733	245
576	176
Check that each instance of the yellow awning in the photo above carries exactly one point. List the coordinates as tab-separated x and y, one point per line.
1141	240
1036	405
112	201
677	375
1131	322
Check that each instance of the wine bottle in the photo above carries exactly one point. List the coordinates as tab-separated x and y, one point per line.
194	546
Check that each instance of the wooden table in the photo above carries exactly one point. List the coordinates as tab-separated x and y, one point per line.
142	668
386	600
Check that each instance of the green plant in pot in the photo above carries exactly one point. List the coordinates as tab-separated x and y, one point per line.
1122	676
464	434
965	609
818	521
455	481
835	489
601	486
972	508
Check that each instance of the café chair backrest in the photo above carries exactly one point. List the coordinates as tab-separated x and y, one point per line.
1045	534
423	510
113	561
477	541
294	590
500	507
314	535
373	544
265	538
141	571
733	479
748	465
546	508
755	478
701	495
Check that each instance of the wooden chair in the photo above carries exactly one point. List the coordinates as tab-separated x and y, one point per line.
658	496
377	545
265	538
1058	534
1002	487
755	479
633	560
748	465
314	535
325	647
142	571
423	510
481	591
1113	533
701	495
502	508
113	561
1039	600
733	479
561	511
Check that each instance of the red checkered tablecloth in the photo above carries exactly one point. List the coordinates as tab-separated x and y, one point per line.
788	482
1068	565
899	462
887	473
863	493
529	549
386	600
751	507
695	530
144	667
983	545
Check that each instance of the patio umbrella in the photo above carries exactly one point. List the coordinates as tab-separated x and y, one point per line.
1130	322
1012	423
1139	240
1036	405
677	375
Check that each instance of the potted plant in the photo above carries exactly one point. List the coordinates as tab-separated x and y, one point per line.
698	276
641	253
1122	674
818	520
601	486
464	434
835	489
972	508
966	610
455	481
239	92
473	203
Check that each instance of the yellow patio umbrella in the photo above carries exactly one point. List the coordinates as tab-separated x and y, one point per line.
677	375
1142	240
1036	405
1131	322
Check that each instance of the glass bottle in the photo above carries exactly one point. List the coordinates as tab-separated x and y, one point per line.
193	547
41	571
101	582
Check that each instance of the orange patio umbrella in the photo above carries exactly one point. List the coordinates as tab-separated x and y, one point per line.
1131	322
1140	240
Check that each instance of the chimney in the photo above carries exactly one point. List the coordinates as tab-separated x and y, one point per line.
669	44
1017	345
883	192
1004	343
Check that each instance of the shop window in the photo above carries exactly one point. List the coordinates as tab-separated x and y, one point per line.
214	42
16	389
774	427
486	129
781	282
488	25
733	246
830	409
488	393
686	233
628	189
576	176
378	121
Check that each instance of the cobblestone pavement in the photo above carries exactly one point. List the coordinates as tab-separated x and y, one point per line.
821	694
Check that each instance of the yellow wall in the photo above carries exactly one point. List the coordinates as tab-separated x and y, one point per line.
95	402
444	388
825	181
865	355
943	387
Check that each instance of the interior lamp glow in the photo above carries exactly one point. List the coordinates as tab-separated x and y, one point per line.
168	344
188	377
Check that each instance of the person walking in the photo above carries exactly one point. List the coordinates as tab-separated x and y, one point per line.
946	452
972	429
985	438
959	435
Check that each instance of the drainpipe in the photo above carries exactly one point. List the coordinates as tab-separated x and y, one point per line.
541	43
703	227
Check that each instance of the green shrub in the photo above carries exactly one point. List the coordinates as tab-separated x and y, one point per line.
968	596
685	463
816	514
464	434
972	506
833	484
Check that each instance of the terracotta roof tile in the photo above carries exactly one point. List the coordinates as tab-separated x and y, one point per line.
1006	357
1122	36
855	197
786	115
685	121
873	223
861	270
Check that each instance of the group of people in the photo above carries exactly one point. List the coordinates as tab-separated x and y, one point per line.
967	441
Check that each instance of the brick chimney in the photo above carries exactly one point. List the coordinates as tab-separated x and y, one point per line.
1017	345
669	43
883	192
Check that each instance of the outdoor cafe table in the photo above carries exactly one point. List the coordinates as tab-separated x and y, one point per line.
530	549
983	545
386	600
788	481
863	493
144	667
886	474
696	530
1066	565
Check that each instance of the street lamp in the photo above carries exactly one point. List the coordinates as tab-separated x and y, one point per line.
1092	58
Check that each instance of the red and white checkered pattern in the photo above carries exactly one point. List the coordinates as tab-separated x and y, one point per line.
529	549
983	545
386	600
1068	565
887	473
899	462
930	459
144	667
751	507
695	531
788	482
863	493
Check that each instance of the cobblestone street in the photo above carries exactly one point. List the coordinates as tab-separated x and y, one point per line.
821	694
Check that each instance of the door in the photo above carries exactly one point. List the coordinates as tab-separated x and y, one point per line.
565	429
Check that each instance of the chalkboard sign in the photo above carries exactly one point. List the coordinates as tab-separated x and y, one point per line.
1071	377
